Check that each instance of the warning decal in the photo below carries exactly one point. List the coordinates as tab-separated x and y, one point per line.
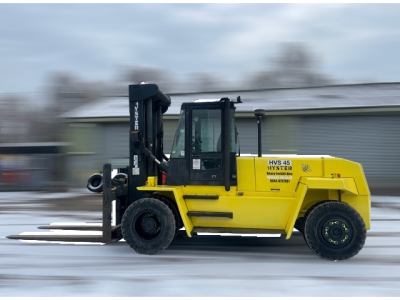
196	164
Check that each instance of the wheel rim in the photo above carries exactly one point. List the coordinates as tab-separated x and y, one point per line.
336	232
147	226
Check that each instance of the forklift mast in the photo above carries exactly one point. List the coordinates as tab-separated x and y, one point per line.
147	104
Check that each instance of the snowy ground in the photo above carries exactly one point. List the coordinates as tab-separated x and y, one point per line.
201	266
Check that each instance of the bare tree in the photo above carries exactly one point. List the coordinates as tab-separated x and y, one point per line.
13	124
21	120
204	82
294	66
67	92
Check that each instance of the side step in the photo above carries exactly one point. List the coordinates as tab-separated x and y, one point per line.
238	231
210	214
200	197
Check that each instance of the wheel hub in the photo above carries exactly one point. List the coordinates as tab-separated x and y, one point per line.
149	225
336	232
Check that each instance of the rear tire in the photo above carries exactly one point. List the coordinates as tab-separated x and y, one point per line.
299	225
335	231
148	226
301	222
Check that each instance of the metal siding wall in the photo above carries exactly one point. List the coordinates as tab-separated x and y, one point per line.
169	134
117	137
115	148
85	156
116	141
277	135
280	134
372	141
247	131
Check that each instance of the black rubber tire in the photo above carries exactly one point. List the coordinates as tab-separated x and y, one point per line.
148	226
299	225
95	183
335	231
174	209
121	176
300	222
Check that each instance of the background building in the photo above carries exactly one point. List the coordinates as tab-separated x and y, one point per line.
32	166
358	122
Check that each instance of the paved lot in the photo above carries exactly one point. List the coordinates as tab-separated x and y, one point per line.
201	266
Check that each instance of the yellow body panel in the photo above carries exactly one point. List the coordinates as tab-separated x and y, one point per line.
284	177
246	178
347	169
344	184
174	192
248	212
301	192
271	193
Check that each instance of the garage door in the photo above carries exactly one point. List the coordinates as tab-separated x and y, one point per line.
372	141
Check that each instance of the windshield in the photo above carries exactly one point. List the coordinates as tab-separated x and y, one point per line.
178	147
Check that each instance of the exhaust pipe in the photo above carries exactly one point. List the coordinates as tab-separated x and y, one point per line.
259	113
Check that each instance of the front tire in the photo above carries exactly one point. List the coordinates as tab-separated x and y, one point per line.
174	209
148	226
301	222
335	231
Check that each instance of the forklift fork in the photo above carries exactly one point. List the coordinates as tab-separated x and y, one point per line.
114	203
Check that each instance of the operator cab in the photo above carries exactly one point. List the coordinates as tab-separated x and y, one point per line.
204	148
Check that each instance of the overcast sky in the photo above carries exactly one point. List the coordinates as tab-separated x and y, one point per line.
355	42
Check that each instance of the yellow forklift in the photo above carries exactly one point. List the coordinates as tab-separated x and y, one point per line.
206	186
